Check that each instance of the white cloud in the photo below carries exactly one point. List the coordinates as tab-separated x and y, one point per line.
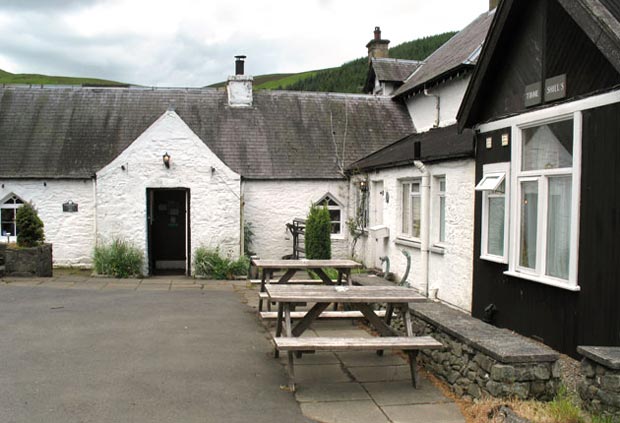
192	43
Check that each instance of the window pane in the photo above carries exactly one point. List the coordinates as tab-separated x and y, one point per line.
495	231
442	184
405	208
334	215
442	219
558	226
415	187
548	146
415	221
335	228
529	224
8	215
7	228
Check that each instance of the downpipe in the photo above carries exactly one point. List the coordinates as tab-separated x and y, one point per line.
425	194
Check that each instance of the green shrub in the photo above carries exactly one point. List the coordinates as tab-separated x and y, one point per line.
29	226
210	264
119	259
563	408
318	233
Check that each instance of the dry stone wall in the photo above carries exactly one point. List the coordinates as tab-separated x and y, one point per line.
481	360
599	388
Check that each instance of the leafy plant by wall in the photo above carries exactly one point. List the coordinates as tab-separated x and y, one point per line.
119	259
211	264
248	238
29	226
318	233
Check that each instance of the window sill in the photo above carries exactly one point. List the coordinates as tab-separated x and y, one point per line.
568	286
415	243
337	236
495	259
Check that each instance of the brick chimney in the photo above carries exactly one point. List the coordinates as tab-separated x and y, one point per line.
239	86
377	48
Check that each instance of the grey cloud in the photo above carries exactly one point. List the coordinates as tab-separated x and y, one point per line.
45	5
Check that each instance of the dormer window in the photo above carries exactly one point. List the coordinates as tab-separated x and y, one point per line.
335	212
8	211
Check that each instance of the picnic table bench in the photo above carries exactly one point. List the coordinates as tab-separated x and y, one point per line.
360	297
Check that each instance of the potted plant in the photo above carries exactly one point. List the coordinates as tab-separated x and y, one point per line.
30	256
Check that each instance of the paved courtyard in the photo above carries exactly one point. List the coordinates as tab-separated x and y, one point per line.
82	349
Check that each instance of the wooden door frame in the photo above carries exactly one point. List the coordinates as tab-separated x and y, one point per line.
149	236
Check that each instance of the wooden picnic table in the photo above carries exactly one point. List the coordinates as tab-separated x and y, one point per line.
361	298
268	267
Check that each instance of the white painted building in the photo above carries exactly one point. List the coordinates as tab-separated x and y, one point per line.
419	191
170	170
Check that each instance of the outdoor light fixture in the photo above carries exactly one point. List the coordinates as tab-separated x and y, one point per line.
166	158
363	185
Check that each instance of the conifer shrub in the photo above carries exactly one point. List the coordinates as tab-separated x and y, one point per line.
119	258
318	233
209	263
29	226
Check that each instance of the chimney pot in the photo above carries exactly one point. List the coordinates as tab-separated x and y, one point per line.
377	33
239	64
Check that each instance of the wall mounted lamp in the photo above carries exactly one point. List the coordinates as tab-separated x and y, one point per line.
363	185
166	158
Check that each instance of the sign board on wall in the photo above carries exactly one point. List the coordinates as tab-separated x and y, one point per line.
555	88
533	94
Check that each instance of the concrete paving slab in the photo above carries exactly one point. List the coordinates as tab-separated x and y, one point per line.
90	285
58	284
424	413
331	392
115	285
320	373
185	287
402	393
369	358
345	412
312	359
158	287
380	373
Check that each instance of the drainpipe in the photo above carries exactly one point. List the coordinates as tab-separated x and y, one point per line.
425	193
241	219
437	106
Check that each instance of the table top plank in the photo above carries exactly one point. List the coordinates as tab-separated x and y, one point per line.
353	344
342	294
306	264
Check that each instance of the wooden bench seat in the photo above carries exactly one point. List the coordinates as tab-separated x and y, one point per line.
410	344
302	281
354	314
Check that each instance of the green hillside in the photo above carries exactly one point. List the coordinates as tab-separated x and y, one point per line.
272	81
350	77
36	79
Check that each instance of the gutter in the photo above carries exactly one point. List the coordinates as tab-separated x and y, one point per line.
425	192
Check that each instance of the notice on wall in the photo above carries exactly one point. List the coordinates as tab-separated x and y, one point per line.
555	88
533	94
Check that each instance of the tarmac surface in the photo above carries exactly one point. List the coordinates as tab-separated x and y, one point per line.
80	349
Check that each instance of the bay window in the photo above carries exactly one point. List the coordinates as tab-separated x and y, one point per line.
545	227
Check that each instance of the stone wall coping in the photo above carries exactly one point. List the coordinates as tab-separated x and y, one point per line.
501	344
607	356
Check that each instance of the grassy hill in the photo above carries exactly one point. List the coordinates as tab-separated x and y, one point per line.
36	79
351	76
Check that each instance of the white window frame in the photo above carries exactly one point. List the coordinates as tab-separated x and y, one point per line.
339	207
502	169
541	176
439	223
572	108
409	235
14	206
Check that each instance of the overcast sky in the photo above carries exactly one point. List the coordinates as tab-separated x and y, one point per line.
192	42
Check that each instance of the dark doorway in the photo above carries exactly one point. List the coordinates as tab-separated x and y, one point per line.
168	231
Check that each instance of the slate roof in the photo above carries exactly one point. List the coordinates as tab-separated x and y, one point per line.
459	52
599	20
74	132
390	70
434	145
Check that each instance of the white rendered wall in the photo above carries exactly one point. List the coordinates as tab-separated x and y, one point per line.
451	272
72	234
215	195
423	111
270	205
